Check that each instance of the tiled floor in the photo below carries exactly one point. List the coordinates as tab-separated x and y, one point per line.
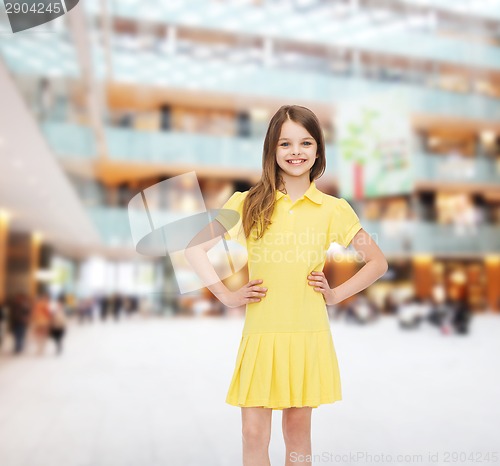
151	392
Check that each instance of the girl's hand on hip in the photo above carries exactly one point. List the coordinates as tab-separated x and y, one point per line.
318	280
249	293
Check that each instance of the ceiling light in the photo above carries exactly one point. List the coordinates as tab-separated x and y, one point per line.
434	141
4	215
37	236
45	275
488	137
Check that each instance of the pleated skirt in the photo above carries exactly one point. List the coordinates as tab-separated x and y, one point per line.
285	370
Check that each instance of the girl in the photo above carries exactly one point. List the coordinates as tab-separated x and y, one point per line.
286	358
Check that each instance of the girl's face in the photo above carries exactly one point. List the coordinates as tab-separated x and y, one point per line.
296	151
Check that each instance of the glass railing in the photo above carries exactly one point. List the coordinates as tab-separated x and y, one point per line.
185	72
419	237
280	22
54	54
412	237
183	148
219	76
71	140
49	53
443	239
432	167
487	10
113	225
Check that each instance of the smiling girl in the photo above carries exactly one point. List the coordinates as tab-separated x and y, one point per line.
286	358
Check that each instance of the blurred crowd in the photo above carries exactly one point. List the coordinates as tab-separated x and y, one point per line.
449	316
45	318
42	319
103	307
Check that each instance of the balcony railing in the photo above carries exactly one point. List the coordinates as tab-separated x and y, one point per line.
175	148
184	72
419	237
394	238
183	148
219	75
392	36
70	140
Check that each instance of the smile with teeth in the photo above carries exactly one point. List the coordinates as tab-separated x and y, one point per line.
296	161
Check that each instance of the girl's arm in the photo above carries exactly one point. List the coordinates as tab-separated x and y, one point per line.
375	266
196	255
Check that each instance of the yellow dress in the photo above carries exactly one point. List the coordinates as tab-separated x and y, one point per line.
286	357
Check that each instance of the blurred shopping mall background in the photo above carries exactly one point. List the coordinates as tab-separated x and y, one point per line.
118	96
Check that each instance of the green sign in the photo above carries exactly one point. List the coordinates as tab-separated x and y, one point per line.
374	138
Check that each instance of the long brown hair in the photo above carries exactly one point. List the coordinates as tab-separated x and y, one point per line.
259	203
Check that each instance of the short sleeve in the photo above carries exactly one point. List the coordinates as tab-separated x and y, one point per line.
344	224
230	217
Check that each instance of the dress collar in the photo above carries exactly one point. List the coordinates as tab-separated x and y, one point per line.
313	193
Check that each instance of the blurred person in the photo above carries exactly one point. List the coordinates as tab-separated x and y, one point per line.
130	305
350	312
104	306
84	310
41	321
363	310
45	98
58	323
438	293
71	304
116	305
134	304
19	314
436	314
438	311
390	303
446	324
369	310
335	312
95	307
439	306
287	330
146	307
409	313
80	310
127	306
461	317
201	307
424	308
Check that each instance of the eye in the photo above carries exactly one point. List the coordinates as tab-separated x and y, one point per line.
305	142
